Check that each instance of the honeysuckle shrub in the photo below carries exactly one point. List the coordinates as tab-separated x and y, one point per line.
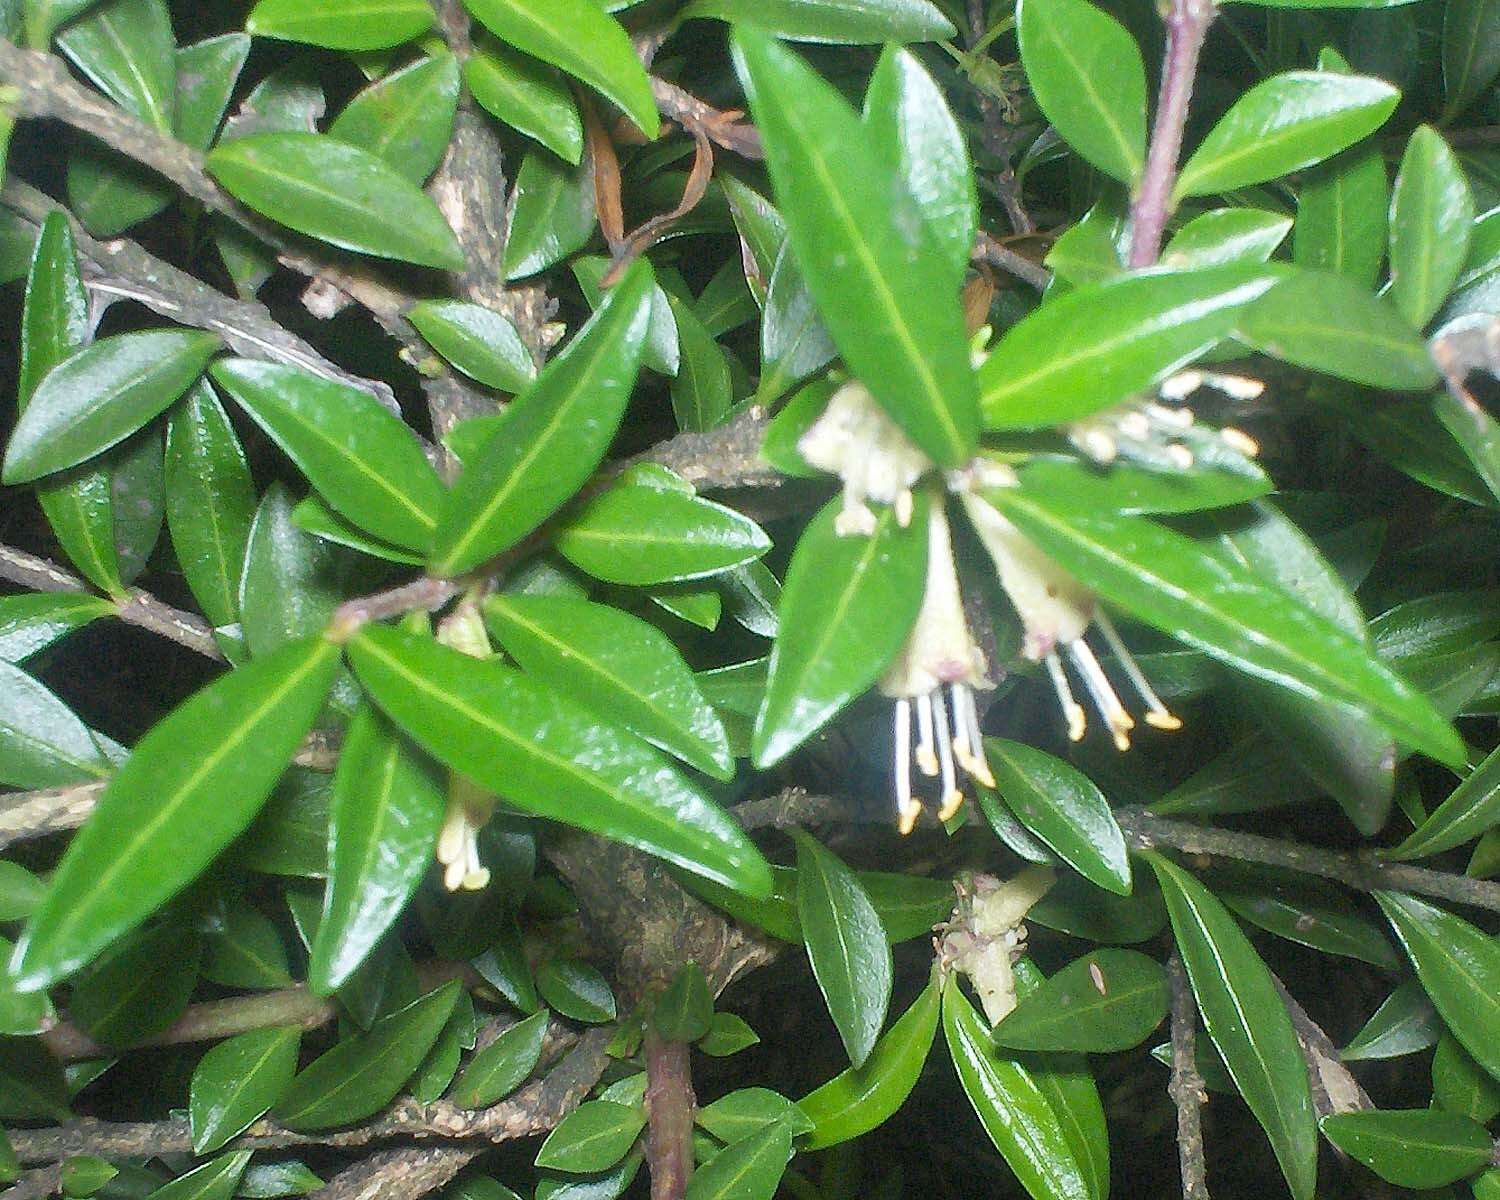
519	514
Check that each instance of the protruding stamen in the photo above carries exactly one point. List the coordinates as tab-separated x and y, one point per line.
1102	692
1181	456
1157	715
1236	387
906	819
968	742
952	802
450	845
1172	418
1077	719
1135	425
1238	439
453	875
927	760
1181	385
904	507
952	797
1097	444
901	734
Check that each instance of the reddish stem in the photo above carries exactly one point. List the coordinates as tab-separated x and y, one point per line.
670	1103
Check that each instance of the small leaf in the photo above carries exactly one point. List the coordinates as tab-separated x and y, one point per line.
576	990
1432	211
126	48
851	959
311	515
23	1014
100	396
1247	1021
1460	1085
1472	808
207	72
43	744
247	952
478	341
1226	235
527	95
361	1074
552	213
192	784
685	1007
1283	124
341	24
839	21
846	609
747	1111
214	1180
503	1065
405	118
593	1137
727	1034
1414	1148
1107	1000
1404	1023
1342	213
581	39
237	1082
702	392
1304	917
1471	32
338	193
749	1169
1089	80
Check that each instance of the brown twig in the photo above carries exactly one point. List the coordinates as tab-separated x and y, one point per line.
728	129
987	249
670	1105
1334	1088
26	815
1186	1086
997	137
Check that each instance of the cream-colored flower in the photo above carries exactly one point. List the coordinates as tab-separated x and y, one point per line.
985	935
469	806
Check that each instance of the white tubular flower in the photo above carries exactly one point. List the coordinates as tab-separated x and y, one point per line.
1163	434
855	440
469	806
985	935
940	653
1056	612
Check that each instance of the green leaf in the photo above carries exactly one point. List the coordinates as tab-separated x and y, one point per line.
645	535
750	1169
269	1181
210	502
31	1082
20	891
1283	124
1247	1021
139	987
1470	809
1107	1000
361	1074
502	1066
1404	1023
846	609
727	1034
1089	80
1413	1148
543	752
1062	806
578	37
529	96
552	213
747	1111
126	48
478	341
1459	968
851	958
1328	323
576	990
246	951
388	806
207	72
1228	612
685	1007
1100	344
192	784
661	351
215	1180
1219	478
1432	213
1012	1106
593	1137
237	1082
1341	214
838	21
889	305
762	233
552	436
1074	906
1461	1085
100	396
42	743
441	1064
341	24
1303	916
1223	236
1471	60
861	1098
793	341
405	118
23	1014
312	516
84	1174
338	193
702	393
618	665
362	459
43	17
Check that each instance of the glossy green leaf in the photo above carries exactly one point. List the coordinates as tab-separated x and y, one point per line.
543	752
593	1137
582	40
42	18
861	1098
136	990
110	194
793	340
1101	344
1283	124
1089	80
576	990
214	1180
750	1169
762	233
846	609
42	742
1321	923
618	665
210	502
1064	808
727	1034
1341	214
1107	1000
1404	1023
1014	1110
271	1180
237	1082
1459	968
529	96
551	437
207	72
478	341
405	118
245	950
702	392
193	783
1074	906
84	1174
441	1064
361	1074
503	1065
362	459
661	352
22	1014
341	24
126	48
100	396
138	494
1247	1021
20	891
552	213
748	1110
1414	1148
338	193
1229	613
1470	809
1432	212
850	956
1460	1085
646	535
1218	479
388	806
312	516
839	21
1471	51
1223	236
889	306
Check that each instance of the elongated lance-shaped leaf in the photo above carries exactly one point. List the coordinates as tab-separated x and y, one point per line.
238	1081
552	436
749	1169
1246	1019
1413	1148
343	24
214	1180
1432	212
1217	606
838	21
544	752
191	786
1472	808
407	117
887	299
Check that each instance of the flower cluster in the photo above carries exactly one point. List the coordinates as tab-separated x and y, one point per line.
985	936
